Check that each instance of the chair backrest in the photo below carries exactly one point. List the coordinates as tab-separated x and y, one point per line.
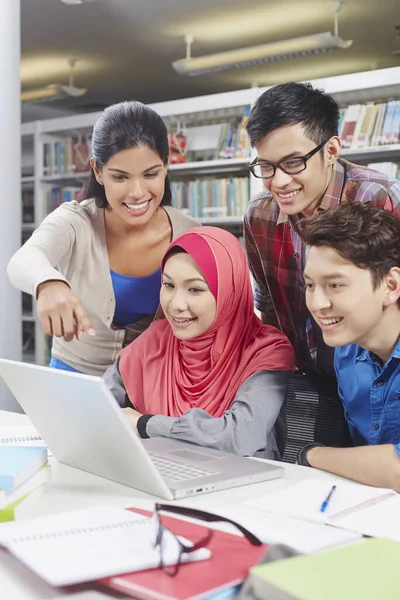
314	412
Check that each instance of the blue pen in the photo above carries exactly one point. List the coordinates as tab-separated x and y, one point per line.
325	503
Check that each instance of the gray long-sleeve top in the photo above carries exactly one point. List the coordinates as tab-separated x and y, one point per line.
254	425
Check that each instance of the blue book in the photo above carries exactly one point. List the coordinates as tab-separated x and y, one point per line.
18	463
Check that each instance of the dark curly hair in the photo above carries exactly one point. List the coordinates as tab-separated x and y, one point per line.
121	126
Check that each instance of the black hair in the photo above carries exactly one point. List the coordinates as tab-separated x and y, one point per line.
122	126
292	104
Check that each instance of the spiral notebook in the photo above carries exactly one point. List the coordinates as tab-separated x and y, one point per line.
21	435
88	544
358	508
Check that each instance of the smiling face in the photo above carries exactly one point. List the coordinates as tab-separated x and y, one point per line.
185	297
342	299
134	182
303	192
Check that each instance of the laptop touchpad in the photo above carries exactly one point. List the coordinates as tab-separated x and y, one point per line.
193	455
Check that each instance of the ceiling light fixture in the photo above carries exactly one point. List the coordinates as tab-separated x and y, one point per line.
266	53
55	91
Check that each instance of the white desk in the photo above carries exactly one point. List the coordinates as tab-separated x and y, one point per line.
71	488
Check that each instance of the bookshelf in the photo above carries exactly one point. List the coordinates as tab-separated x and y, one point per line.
201	119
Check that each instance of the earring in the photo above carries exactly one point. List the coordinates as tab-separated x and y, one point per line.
100	182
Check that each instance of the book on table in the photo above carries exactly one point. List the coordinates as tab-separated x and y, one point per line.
219	578
18	463
367	570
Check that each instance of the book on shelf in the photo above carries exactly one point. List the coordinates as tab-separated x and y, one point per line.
28	211
369	125
67	155
233	139
207	197
57	195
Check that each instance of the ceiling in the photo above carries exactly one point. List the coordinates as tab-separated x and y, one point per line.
125	47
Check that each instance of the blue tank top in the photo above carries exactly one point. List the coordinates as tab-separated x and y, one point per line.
135	297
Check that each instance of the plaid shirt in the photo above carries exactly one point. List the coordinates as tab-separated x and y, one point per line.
277	257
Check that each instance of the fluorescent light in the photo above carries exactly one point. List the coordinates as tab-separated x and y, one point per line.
266	53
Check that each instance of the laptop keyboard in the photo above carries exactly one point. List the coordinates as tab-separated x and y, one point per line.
174	471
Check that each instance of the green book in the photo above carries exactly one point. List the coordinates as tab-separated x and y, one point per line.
368	570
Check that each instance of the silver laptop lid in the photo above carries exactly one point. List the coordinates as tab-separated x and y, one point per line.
83	425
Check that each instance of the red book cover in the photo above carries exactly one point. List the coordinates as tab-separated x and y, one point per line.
231	558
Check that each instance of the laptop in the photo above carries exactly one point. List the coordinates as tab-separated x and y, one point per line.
84	427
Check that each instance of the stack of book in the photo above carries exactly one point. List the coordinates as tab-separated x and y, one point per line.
23	475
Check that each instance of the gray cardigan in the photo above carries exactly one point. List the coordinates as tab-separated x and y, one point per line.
254	425
70	245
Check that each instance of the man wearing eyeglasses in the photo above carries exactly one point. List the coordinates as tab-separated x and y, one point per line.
294	129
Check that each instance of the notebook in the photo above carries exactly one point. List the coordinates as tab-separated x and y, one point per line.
358	508
21	435
368	570
302	536
231	558
18	463
87	544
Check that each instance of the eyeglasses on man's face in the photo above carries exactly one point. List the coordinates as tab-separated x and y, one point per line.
172	549
291	166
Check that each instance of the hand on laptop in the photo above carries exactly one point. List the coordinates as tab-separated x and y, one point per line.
61	312
132	416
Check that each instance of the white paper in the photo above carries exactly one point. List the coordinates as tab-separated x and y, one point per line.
303	536
303	500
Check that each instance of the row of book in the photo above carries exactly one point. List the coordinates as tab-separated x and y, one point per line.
58	194
66	155
371	124
24	472
28	209
233	139
225	197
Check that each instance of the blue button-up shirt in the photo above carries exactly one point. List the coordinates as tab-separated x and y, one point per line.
370	393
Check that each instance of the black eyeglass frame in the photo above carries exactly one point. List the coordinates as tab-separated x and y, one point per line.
201	515
278	165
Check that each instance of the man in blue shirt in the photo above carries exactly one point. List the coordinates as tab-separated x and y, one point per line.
352	276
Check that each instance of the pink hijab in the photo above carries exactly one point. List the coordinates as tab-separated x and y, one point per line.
168	376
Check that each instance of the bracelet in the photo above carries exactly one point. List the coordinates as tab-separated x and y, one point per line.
302	455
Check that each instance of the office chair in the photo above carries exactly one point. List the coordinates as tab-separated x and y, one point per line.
314	413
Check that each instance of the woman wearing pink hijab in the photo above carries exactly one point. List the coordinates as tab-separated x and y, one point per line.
210	372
